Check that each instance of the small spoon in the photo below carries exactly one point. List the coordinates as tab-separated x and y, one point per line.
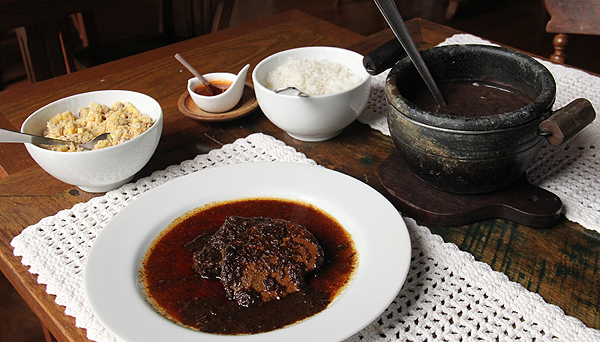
291	91
17	137
392	16
90	144
194	72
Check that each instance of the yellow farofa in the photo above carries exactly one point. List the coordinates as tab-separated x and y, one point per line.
122	120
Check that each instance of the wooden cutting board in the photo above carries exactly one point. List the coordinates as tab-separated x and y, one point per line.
520	201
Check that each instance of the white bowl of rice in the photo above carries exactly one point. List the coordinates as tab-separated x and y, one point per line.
134	120
337	85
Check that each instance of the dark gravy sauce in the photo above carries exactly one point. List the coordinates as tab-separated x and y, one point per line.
472	99
216	87
181	295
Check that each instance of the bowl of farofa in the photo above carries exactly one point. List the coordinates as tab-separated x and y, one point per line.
134	120
335	80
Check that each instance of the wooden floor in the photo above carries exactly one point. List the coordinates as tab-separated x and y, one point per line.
518	23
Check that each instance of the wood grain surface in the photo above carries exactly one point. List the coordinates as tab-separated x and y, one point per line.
560	263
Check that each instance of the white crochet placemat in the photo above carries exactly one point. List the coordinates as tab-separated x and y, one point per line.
448	295
569	171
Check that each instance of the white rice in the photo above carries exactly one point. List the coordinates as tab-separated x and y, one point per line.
314	77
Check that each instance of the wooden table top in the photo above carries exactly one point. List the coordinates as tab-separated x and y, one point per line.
561	263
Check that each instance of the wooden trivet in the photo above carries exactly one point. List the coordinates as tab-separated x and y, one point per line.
520	202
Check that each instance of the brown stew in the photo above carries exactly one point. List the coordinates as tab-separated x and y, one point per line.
216	87
183	296
473	99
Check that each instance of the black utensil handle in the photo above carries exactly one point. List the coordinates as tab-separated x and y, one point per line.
384	57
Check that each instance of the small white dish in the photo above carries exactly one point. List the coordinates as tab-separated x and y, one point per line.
224	101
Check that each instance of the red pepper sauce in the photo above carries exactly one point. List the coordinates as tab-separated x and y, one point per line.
183	296
216	87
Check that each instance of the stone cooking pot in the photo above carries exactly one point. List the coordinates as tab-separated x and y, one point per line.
477	154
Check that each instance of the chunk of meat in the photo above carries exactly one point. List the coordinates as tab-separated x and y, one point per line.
207	259
259	259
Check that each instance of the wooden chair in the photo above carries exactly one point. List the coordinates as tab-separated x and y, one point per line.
451	9
48	39
47	49
39	25
179	20
571	17
215	15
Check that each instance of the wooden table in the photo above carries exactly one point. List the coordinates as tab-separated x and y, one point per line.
560	263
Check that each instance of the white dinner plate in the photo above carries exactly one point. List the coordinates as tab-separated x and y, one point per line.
379	233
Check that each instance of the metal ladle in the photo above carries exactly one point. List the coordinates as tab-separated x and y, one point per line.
17	137
291	91
392	16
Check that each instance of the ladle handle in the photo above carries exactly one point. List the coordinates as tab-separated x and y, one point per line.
17	137
567	121
384	57
392	16
193	71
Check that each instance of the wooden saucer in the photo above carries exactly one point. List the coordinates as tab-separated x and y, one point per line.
520	202
247	104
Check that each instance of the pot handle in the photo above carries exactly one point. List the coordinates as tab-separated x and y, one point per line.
384	57
567	121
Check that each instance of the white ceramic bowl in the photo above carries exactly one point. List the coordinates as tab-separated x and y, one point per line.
317	117
98	170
